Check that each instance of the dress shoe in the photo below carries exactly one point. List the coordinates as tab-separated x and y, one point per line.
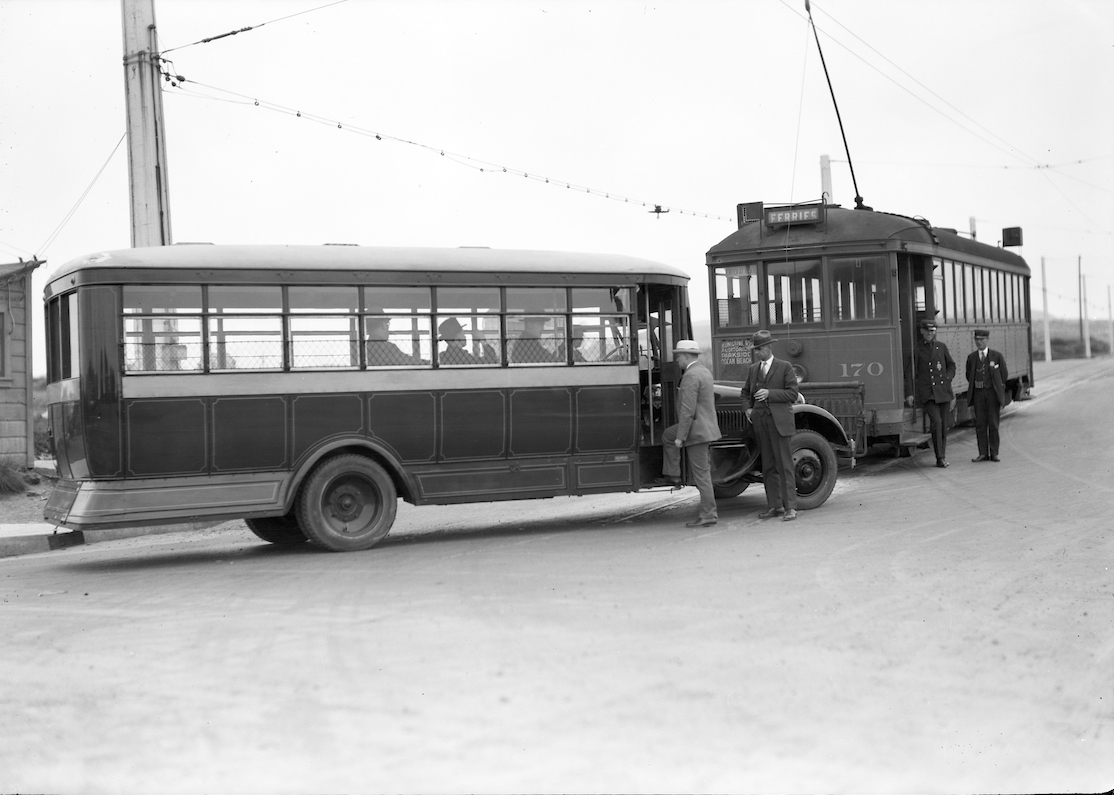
667	481
940	462
980	458
700	523
770	513
995	459
790	515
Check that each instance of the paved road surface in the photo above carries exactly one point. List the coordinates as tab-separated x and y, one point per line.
925	631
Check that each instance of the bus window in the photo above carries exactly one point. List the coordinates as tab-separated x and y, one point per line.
861	289
244	327
324	329
737	296
793	290
599	335
468	326
162	328
537	337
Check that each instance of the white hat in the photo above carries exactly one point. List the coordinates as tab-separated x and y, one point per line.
687	346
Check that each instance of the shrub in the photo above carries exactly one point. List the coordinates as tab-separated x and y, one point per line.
11	479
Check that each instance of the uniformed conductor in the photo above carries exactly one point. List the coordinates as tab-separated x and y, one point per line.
933	371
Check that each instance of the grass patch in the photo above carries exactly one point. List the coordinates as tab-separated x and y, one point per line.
11	479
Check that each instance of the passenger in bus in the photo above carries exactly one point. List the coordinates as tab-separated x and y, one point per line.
528	346
696	427
986	393
577	343
381	352
933	371
452	334
768	393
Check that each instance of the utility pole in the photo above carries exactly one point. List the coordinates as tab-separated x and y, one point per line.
1110	320
1079	288
1047	334
1086	323
826	179
147	173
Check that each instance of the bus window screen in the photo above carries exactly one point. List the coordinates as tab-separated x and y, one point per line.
860	288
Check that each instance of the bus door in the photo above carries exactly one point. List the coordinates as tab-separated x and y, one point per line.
662	320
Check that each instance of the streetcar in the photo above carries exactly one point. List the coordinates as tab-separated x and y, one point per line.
305	389
843	291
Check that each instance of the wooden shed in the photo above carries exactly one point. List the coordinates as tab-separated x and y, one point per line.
17	422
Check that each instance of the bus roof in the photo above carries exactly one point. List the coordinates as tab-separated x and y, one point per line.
191	257
849	227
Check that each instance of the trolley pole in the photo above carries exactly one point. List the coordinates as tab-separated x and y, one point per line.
147	173
1047	333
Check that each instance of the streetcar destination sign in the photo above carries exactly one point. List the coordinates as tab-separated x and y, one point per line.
803	214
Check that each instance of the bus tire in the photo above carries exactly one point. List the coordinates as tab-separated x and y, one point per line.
814	467
278	529
725	491
348	503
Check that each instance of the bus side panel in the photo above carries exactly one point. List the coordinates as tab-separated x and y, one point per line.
406	423
249	433
317	418
99	313
473	425
606	419
541	421
167	437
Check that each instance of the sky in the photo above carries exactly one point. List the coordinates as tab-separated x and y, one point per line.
996	110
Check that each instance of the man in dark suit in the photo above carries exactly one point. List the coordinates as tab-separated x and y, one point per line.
768	393
696	427
986	393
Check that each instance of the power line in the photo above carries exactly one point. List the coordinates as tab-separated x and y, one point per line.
478	164
69	215
252	27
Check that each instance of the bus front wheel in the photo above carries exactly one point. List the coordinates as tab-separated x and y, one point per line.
278	529
814	467
347	504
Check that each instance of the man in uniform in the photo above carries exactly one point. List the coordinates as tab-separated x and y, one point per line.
768	394
933	371
695	428
986	393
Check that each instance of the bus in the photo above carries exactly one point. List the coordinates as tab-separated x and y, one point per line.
305	389
843	291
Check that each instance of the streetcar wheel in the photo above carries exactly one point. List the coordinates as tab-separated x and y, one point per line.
815	467
278	529
347	504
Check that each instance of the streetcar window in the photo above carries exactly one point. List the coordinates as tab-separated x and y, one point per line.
737	296
938	302
793	292
861	288
969	293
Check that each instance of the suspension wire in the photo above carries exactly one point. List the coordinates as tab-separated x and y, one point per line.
70	214
858	197
252	27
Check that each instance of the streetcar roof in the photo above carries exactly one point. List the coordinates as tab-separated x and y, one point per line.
190	257
850	227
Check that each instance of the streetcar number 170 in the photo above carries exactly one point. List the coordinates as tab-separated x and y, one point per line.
855	370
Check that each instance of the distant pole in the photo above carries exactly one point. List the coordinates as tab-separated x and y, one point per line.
148	181
1110	320
826	179
1047	334
1079	288
974	234
1086	323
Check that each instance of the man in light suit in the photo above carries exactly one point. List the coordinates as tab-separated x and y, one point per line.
768	393
986	393
696	427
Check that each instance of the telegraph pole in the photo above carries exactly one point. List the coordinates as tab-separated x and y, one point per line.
147	173
1044	297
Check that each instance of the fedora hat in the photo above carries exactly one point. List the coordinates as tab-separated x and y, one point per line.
450	327
760	338
687	346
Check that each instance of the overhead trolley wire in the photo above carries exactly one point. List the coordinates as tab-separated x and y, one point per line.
482	166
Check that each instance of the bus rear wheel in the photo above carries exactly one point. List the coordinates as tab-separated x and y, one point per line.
815	467
277	529
348	503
